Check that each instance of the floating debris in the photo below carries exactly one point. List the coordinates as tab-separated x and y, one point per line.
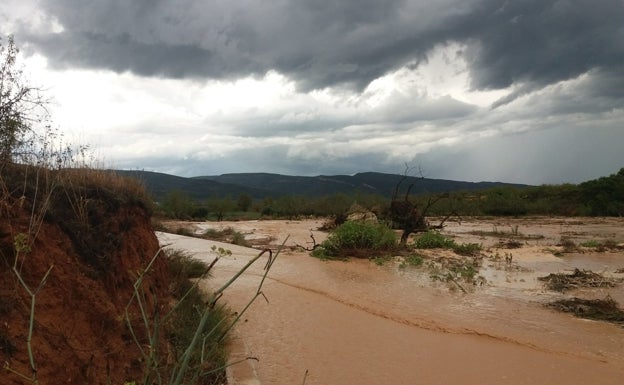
579	279
606	309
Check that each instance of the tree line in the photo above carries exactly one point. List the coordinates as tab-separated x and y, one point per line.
600	197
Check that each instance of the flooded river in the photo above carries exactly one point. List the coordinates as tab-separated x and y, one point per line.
356	322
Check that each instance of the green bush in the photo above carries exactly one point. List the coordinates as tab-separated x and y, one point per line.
434	240
468	249
601	246
591	243
357	239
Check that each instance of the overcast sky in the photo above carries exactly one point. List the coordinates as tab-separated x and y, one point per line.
526	91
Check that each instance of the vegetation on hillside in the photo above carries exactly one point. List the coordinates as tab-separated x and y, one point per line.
600	197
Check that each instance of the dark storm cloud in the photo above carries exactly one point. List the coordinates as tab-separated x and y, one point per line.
542	41
323	43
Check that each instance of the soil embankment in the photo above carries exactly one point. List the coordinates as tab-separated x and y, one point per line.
357	322
79	331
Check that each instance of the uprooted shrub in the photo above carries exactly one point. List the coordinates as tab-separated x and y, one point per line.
357	239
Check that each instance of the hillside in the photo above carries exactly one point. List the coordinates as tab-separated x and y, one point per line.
261	185
368	182
159	185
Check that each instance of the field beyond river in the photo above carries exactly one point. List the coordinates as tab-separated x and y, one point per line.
383	321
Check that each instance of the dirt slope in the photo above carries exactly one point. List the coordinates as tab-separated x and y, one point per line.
79	334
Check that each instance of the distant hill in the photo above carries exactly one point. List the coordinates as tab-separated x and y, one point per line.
367	182
159	185
261	185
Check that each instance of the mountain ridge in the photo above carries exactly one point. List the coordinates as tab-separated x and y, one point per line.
263	185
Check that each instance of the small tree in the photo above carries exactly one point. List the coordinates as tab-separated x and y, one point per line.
21	105
244	202
405	213
220	206
177	204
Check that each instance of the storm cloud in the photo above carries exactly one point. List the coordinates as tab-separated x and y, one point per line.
324	43
522	91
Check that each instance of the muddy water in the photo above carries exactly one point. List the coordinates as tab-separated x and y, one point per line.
359	323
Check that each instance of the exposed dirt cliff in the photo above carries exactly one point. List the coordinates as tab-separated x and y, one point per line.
94	237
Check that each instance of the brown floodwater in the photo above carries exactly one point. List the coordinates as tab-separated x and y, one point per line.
355	322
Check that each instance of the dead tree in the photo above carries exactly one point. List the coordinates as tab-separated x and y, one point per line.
405	214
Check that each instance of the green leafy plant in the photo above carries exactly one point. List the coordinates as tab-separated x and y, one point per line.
357	239
433	240
467	249
601	246
411	260
591	244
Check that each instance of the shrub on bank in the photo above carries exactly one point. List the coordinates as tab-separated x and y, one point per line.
357	239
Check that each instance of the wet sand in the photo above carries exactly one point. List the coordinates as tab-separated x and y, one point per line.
359	323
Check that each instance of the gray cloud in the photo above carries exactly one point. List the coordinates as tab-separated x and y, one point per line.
559	62
543	41
324	43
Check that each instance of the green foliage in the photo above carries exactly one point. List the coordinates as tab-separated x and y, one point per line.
239	239
244	202
184	231
218	235
453	270
177	204
467	272
184	266
604	196
467	249
504	201
600	197
357	239
220	251
184	321
220	206
381	260
433	240
227	234
607	244
181	328
591	244
411	260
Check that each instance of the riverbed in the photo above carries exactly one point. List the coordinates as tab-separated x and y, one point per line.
361	322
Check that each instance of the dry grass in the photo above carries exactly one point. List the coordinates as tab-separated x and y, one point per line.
105	182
